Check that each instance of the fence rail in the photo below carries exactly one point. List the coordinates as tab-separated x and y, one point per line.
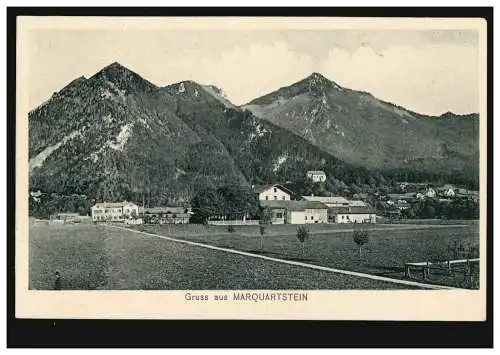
425	266
250	222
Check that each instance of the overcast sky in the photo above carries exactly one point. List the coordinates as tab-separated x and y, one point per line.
430	72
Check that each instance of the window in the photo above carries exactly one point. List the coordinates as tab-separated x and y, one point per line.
283	198
275	197
274	189
305	217
107	211
267	197
279	215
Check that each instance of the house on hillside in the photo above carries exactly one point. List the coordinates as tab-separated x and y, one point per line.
296	212
114	211
316	175
273	192
430	192
447	191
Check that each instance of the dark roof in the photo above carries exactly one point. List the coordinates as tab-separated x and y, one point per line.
351	210
318	172
293	205
162	209
260	189
406	196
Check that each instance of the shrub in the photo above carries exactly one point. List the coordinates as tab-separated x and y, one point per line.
230	228
360	237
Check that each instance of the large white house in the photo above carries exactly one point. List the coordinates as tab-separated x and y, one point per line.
273	192
114	211
316	175
296	212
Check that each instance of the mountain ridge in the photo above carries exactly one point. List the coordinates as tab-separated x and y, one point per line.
88	138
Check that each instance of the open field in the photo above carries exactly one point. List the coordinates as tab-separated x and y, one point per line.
388	249
96	257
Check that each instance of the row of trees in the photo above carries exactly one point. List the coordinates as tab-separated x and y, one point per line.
228	202
47	205
455	209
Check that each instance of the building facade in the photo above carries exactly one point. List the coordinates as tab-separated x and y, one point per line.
114	211
354	214
316	175
273	192
165	215
296	212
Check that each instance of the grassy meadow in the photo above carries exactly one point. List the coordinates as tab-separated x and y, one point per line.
97	257
388	249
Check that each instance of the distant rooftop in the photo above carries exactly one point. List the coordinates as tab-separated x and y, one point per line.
327	200
112	204
293	205
260	189
316	172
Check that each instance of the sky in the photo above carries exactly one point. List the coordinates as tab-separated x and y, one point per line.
430	72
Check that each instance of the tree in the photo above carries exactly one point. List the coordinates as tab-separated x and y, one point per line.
262	230
302	236
360	237
265	219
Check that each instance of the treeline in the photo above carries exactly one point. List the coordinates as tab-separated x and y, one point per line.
48	204
229	202
454	209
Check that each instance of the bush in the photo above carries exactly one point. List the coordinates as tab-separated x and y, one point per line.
302	236
360	237
230	228
302	233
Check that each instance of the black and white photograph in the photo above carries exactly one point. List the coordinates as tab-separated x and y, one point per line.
252	161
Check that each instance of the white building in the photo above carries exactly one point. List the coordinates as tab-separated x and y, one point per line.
273	192
296	212
431	193
316	175
352	214
114	211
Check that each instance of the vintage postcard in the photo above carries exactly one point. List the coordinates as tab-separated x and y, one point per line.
251	168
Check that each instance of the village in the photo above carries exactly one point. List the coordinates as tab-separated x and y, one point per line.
280	205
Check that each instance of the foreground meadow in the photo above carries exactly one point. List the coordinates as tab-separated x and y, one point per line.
98	257
388	249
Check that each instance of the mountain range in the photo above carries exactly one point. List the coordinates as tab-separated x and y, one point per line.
118	136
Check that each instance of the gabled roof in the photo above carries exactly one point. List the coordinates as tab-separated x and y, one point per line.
261	189
112	204
162	209
327	200
357	203
316	172
292	205
351	210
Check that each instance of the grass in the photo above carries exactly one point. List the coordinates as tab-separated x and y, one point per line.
94	257
388	248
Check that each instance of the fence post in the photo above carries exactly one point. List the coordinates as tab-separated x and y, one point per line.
449	267
407	270
428	269
423	273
